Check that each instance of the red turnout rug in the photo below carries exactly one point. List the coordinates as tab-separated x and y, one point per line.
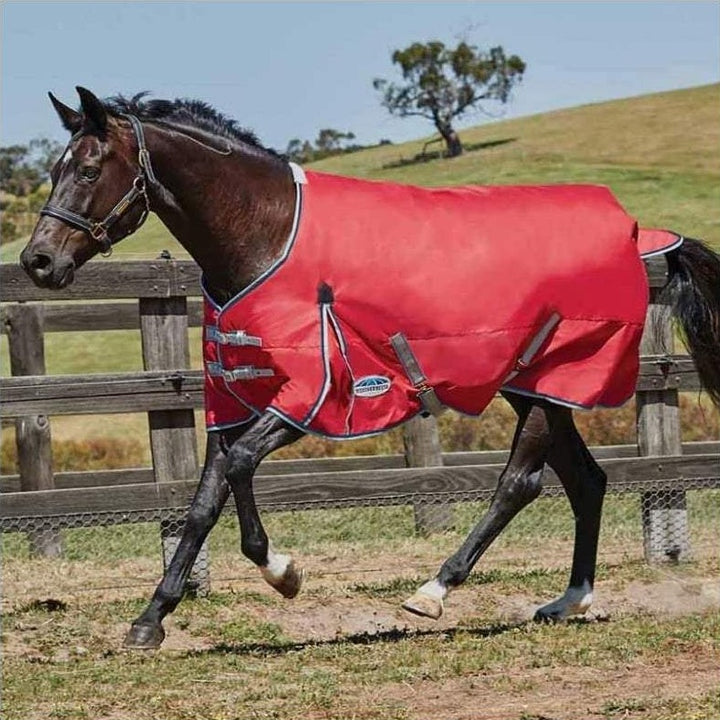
391	300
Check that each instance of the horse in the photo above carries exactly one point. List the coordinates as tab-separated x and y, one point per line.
556	333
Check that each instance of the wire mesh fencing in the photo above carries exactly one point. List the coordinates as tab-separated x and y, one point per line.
124	552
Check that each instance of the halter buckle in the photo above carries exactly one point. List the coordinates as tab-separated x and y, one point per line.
98	232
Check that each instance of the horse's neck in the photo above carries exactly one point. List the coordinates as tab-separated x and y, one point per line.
232	213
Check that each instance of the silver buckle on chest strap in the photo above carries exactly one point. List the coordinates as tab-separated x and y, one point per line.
426	395
236	337
243	372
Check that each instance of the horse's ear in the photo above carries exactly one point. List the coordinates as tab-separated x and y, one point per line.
93	109
71	119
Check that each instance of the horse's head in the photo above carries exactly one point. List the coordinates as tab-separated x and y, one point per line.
98	193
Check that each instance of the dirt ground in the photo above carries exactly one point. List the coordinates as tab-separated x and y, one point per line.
338	605
309	618
567	694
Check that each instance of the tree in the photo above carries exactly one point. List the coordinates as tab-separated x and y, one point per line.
17	176
300	151
24	168
24	172
442	84
329	142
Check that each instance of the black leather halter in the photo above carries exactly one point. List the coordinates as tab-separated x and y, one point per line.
99	229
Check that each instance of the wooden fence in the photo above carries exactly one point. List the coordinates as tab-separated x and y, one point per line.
166	302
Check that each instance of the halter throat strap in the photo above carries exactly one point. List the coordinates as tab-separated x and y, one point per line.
99	230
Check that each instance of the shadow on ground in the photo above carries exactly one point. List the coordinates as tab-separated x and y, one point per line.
424	157
366	638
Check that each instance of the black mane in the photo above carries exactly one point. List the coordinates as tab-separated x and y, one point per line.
184	112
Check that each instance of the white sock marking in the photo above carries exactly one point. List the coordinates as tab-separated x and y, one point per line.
575	601
434	589
276	566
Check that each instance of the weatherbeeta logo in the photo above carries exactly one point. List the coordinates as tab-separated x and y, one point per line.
371	386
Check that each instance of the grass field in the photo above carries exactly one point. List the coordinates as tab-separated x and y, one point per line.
344	649
240	654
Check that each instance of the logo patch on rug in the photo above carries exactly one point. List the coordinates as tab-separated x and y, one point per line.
371	386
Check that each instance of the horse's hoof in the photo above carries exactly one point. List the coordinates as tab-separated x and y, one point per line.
559	612
575	601
144	637
544	616
289	584
424	605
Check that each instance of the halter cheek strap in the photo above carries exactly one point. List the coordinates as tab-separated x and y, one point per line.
99	230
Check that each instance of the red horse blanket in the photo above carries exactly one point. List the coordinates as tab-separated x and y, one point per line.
391	299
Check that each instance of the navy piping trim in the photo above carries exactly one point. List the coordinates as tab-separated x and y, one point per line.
245	404
373	433
663	251
560	401
325	355
359	436
274	267
227	426
343	351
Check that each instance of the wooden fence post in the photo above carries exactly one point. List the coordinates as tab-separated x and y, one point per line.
422	449
24	327
666	536
163	325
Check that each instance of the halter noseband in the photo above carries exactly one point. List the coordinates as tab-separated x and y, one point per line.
98	230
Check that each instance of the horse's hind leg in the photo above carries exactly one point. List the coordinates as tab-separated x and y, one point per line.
519	484
584	482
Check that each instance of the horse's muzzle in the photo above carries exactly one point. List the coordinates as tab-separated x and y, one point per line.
45	270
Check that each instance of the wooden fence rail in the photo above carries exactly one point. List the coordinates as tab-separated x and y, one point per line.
160	299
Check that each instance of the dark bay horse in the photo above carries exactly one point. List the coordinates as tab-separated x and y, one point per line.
232	204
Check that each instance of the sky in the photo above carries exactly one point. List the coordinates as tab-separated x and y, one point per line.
288	69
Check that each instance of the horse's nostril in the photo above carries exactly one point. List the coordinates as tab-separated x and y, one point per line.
40	261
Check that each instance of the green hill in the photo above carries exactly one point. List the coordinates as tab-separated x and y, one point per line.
660	154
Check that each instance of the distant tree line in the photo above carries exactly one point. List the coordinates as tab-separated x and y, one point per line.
328	142
24	168
24	174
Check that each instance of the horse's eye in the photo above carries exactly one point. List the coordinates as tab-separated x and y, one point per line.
90	172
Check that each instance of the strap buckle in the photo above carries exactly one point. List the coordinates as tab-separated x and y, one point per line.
243	372
426	395
236	338
98	231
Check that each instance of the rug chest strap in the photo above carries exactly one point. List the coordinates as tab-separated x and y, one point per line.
426	395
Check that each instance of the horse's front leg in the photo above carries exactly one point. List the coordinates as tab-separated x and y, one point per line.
268	434
212	493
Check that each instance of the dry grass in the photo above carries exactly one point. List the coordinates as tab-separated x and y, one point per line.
344	650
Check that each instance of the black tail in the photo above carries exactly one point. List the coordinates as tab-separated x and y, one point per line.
693	293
